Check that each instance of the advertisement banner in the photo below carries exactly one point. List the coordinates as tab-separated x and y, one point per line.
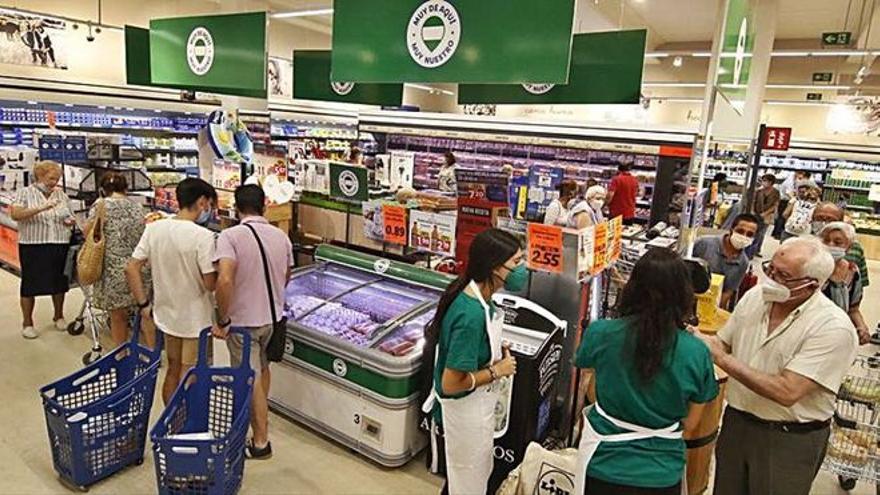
348	183
490	41
31	39
311	81
615	239
544	184
474	216
217	53
226	175
394	217
586	246
606	68
489	185
545	248
600	248
432	232
737	47
279	77
402	166
374	220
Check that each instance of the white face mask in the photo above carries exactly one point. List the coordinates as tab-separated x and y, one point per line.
838	253
774	292
739	241
597	204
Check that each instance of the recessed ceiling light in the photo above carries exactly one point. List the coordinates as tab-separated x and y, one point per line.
302	13
677	61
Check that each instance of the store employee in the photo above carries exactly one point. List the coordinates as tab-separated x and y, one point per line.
726	255
465	335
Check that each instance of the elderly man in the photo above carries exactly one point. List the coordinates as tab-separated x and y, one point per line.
787	348
830	212
844	288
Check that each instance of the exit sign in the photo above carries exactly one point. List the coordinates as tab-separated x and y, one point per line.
823	77
814	96
776	138
840	38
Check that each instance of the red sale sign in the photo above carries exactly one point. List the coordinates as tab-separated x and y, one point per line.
776	138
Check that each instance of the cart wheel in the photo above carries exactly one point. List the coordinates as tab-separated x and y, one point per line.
90	357
846	483
76	327
139	461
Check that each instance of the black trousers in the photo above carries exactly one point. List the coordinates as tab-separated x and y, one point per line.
599	487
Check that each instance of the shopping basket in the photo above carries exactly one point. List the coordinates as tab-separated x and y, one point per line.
97	418
199	441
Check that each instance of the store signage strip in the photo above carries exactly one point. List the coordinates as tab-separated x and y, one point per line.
490	41
606	68
311	81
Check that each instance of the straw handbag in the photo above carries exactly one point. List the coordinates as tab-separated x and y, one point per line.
90	262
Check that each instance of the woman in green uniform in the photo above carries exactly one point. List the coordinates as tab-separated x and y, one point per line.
466	337
652	378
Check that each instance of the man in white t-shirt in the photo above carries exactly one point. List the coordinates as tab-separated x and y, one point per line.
180	253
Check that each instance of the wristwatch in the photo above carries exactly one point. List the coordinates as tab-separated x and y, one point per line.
224	324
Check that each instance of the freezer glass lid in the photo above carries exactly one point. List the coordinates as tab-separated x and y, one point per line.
359	314
408	337
309	290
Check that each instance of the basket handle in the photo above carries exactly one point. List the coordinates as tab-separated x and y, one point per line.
246	351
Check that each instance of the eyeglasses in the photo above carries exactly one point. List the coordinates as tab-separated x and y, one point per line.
771	272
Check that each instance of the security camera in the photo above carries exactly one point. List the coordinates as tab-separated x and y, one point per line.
90	38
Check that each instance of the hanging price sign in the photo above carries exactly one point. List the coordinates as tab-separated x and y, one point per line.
545	248
395	224
615	236
600	248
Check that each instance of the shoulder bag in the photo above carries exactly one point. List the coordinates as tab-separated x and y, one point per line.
275	350
90	260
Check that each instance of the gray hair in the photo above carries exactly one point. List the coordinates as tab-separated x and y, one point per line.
819	264
848	230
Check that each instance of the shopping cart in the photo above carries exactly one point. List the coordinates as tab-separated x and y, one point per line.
199	441
97	319
97	418
854	446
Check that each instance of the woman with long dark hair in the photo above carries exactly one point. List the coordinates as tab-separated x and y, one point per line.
463	342
652	378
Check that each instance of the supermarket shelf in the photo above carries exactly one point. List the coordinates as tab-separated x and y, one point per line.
860	208
848	188
795	169
168	150
66	126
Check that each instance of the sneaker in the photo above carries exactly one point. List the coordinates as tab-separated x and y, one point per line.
60	324
29	333
252	452
875	339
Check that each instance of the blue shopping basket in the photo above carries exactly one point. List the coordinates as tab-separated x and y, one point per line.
98	417
199	441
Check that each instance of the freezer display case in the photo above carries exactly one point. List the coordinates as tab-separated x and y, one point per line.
353	351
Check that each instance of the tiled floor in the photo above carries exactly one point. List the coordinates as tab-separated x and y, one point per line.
303	463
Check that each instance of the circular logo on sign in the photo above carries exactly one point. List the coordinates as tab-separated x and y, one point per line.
381	266
433	33
200	51
348	183
538	89
553	482
342	88
339	367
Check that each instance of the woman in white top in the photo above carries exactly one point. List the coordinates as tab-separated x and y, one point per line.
44	225
557	212
446	181
588	211
799	213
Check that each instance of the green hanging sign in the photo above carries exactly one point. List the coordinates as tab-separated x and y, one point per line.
349	183
605	68
311	81
737	47
455	41
218	53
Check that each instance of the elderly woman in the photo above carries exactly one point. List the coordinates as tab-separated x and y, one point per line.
44	225
844	287
588	211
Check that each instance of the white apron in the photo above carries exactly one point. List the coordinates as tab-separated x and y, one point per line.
590	440
469	422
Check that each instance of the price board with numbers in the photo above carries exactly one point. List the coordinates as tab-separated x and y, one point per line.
545	248
600	247
395	224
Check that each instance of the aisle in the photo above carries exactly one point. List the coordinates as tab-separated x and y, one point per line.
303	462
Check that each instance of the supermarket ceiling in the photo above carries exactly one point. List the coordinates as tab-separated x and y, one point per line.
675	21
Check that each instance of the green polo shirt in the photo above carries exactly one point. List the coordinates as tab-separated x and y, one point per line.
687	376
463	343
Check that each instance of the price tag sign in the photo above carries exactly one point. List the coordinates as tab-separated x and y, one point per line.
545	248
600	248
395	224
615	236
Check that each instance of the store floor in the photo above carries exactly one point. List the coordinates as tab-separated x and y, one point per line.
303	463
